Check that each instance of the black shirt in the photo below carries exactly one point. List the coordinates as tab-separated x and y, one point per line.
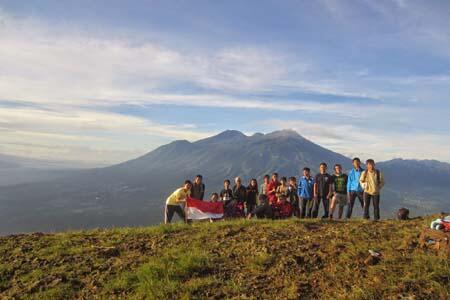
240	194
340	183
323	182
252	194
226	195
292	194
198	191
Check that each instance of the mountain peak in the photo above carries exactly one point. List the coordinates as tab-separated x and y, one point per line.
225	136
230	134
284	133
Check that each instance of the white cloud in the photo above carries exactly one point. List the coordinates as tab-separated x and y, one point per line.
58	135
367	143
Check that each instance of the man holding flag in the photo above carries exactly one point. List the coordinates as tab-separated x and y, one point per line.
173	203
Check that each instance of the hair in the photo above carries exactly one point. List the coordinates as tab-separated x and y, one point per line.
307	169
238	178
323	164
275	174
214	194
263	198
356	159
199	176
253	180
370	161
283	178
227	181
292	178
266	176
337	165
187	182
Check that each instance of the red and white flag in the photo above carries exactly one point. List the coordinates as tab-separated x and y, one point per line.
199	210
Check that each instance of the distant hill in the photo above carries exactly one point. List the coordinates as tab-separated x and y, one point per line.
229	260
133	193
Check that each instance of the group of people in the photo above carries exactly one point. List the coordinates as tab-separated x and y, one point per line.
283	198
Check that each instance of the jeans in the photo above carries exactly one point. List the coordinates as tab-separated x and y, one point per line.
351	202
326	206
376	206
306	205
171	210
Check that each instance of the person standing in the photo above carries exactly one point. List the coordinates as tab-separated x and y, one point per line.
264	185
306	193
226	195
272	189
198	188
252	195
372	180
293	196
322	191
339	188
282	189
175	200
239	191
354	189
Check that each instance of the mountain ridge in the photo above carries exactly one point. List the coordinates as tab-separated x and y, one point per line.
132	193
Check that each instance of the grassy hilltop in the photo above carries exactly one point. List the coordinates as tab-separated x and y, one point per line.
242	259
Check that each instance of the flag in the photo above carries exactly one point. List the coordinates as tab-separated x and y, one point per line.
198	210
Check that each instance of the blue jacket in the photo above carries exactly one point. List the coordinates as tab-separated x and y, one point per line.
305	187
353	184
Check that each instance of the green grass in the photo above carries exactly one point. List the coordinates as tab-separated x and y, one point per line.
240	259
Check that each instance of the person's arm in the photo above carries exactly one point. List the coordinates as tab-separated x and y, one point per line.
362	179
381	180
349	181
180	198
299	188
316	189
202	194
331	189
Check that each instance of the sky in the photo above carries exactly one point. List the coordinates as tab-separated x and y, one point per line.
101	82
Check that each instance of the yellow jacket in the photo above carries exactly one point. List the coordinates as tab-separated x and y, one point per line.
369	182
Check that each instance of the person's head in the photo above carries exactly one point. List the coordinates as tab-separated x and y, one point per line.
238	181
292	181
275	177
356	163
263	199
323	168
306	172
253	182
226	183
214	197
266	178
338	169
187	185
198	179
370	163
283	180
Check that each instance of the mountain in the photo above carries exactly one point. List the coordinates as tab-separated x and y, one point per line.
133	193
290	259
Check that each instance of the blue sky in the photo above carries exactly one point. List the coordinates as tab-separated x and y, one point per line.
106	81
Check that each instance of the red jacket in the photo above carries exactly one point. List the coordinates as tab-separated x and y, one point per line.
271	194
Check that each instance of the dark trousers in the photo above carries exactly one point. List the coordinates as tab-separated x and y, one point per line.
326	206
296	208
306	205
376	206
171	210
351	202
250	207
